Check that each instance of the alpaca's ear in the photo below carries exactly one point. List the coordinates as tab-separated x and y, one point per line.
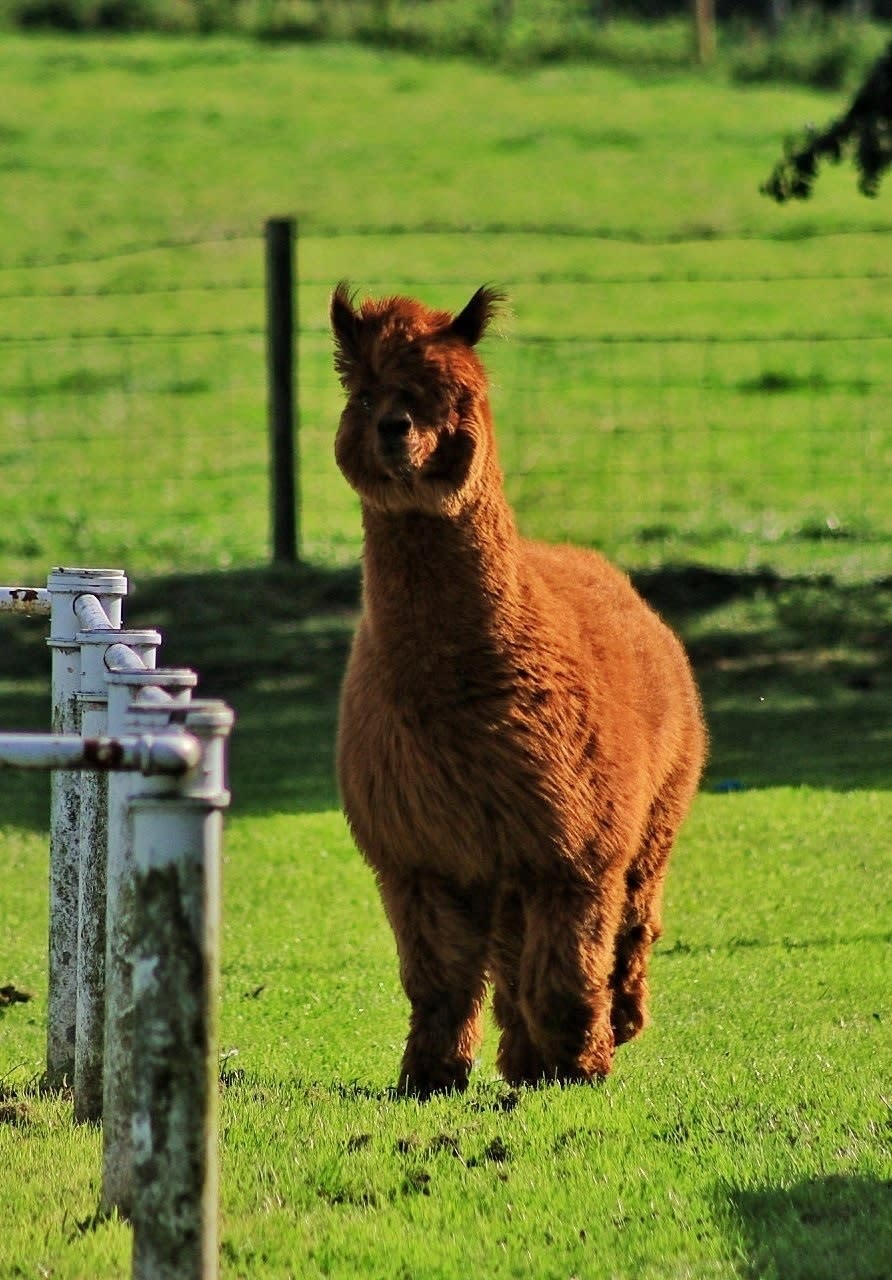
345	323
471	324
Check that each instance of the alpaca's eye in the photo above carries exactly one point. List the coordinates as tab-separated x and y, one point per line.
365	404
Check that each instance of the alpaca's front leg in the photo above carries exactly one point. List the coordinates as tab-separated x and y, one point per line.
519	1060
564	980
441	932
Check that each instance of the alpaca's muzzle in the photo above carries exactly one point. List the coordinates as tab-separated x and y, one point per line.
393	439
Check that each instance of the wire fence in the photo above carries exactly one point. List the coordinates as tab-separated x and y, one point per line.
673	400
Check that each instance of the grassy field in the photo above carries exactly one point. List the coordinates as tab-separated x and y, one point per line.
687	372
748	1133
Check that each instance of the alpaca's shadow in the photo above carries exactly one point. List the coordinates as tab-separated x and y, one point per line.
822	1229
795	672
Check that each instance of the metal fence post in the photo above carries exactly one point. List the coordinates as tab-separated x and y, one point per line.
164	690
64	586
176	839
281	239
93	857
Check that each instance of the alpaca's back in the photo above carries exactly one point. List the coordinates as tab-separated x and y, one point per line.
630	659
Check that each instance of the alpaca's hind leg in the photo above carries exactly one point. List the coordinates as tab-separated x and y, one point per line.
566	965
642	919
640	930
519	1060
442	937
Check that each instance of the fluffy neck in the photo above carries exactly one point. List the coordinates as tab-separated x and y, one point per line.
442	594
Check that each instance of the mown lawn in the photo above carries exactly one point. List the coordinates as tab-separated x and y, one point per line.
748	1133
747	1130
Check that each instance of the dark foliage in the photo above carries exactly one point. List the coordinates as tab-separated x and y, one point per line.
864	133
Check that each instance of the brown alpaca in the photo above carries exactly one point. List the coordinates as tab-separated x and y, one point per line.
520	735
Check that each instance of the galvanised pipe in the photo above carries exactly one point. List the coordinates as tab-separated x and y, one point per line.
91	613
153	755
64	587
93	855
211	722
157	693
120	657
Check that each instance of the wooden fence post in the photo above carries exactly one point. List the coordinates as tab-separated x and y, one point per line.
281	240
704	20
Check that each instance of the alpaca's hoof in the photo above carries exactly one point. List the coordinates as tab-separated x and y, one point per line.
519	1061
594	1069
424	1081
628	1020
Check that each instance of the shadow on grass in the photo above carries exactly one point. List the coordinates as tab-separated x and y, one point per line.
484	1097
822	1229
681	950
273	643
796	675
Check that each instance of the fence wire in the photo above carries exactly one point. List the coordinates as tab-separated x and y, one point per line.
665	407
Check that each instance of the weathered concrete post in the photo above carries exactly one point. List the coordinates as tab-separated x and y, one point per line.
176	838
64	586
159	691
93	856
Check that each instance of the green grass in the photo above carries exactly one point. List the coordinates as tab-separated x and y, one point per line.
827	51
687	371
747	1134
749	1123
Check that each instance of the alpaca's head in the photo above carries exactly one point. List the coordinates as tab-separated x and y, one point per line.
415	433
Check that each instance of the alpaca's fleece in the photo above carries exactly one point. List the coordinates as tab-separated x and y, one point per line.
520	735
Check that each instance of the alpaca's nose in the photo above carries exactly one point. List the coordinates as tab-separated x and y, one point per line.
394	427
